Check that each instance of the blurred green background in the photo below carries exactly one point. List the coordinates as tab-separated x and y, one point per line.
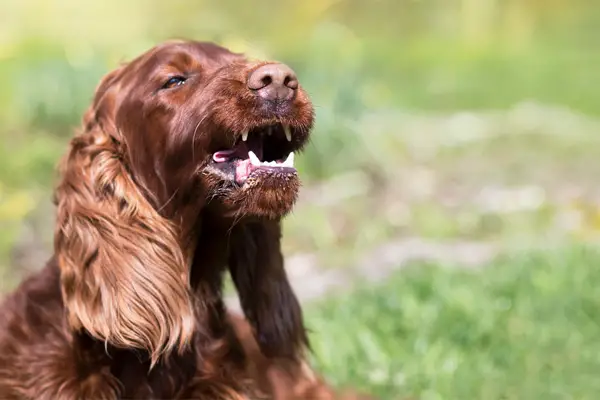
442	125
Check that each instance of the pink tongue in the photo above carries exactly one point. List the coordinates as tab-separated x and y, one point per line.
243	169
241	150
223	155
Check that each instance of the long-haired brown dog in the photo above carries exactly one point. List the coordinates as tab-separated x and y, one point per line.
183	168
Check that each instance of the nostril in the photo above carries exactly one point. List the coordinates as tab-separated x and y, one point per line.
291	81
266	80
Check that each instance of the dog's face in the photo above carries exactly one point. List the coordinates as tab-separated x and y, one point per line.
207	125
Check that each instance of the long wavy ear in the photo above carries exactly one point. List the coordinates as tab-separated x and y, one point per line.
123	274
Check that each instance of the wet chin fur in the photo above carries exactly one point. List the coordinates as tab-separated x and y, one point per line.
266	195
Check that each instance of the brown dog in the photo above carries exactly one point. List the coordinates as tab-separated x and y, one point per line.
183	168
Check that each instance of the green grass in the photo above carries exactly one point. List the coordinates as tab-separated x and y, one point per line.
526	327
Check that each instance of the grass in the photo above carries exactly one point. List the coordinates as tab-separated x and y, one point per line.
526	327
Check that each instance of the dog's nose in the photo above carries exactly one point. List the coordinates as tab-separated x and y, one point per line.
273	82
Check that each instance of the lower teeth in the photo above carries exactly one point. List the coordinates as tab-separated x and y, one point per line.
289	162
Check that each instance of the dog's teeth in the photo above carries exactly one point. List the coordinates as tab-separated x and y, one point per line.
289	161
253	159
269	131
288	133
245	136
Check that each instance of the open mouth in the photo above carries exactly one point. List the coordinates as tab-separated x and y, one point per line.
266	149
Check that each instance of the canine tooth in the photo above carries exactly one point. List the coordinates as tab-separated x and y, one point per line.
289	161
245	136
269	131
253	159
288	133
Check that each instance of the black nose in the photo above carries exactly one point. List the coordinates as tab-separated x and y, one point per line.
274	82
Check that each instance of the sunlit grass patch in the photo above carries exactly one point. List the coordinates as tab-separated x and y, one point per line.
526	327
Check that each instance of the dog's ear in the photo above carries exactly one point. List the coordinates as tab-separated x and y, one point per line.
123	274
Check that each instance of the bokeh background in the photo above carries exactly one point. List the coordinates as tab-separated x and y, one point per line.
445	242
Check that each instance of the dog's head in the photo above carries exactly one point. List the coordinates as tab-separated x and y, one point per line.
200	121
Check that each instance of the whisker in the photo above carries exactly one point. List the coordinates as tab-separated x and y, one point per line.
194	138
168	200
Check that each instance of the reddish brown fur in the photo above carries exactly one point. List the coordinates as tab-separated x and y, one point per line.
281	379
130	305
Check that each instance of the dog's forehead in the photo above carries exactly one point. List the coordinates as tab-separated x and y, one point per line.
187	55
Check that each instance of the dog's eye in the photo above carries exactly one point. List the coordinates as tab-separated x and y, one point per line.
174	81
